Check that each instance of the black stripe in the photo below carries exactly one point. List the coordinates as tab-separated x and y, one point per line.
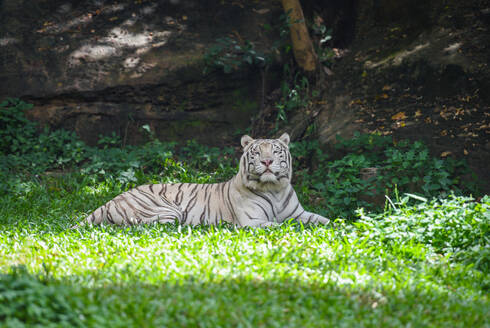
150	197
267	199
142	203
229	204
286	201
263	209
137	210
117	210
125	216
222	190
102	216
208	205
251	218
163	191
179	197
201	218
192	202
195	187
151	189
297	205
109	218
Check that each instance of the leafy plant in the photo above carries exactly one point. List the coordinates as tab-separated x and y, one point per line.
16	132
454	226
325	53
338	188
294	95
230	55
112	140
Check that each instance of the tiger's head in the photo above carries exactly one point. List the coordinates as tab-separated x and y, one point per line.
266	163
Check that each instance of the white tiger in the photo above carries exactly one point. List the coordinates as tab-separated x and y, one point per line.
259	195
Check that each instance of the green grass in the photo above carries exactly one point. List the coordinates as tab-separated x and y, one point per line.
418	264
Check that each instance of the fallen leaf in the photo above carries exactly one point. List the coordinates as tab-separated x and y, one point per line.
465	152
446	154
113	18
327	71
399	116
418	113
261	11
387	87
443	133
356	102
184	17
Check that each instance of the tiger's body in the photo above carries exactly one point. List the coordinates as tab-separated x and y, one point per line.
259	195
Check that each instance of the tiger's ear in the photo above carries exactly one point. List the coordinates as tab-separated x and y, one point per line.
246	140
285	138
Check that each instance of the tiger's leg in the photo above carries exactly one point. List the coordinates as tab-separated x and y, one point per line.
159	219
246	220
309	217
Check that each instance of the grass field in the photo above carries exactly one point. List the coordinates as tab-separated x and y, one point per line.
418	264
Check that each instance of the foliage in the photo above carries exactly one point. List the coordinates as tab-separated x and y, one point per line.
294	95
454	226
334	186
230	55
282	43
337	187
16	131
48	151
325	53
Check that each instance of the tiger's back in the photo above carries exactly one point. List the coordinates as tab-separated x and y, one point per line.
184	203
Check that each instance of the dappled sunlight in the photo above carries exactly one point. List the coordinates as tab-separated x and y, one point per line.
120	41
310	274
397	59
61	27
197	269
92	53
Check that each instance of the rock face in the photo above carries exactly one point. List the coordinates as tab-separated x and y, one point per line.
408	56
103	66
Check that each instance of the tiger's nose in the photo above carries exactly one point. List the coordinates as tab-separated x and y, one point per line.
267	162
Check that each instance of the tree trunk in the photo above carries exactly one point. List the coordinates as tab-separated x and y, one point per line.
303	50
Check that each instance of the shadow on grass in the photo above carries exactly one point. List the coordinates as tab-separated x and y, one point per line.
36	300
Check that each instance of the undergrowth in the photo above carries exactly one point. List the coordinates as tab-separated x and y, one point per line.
334	187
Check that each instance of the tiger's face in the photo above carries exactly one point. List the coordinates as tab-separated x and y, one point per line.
266	163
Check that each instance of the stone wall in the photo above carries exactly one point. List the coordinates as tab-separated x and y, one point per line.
103	66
